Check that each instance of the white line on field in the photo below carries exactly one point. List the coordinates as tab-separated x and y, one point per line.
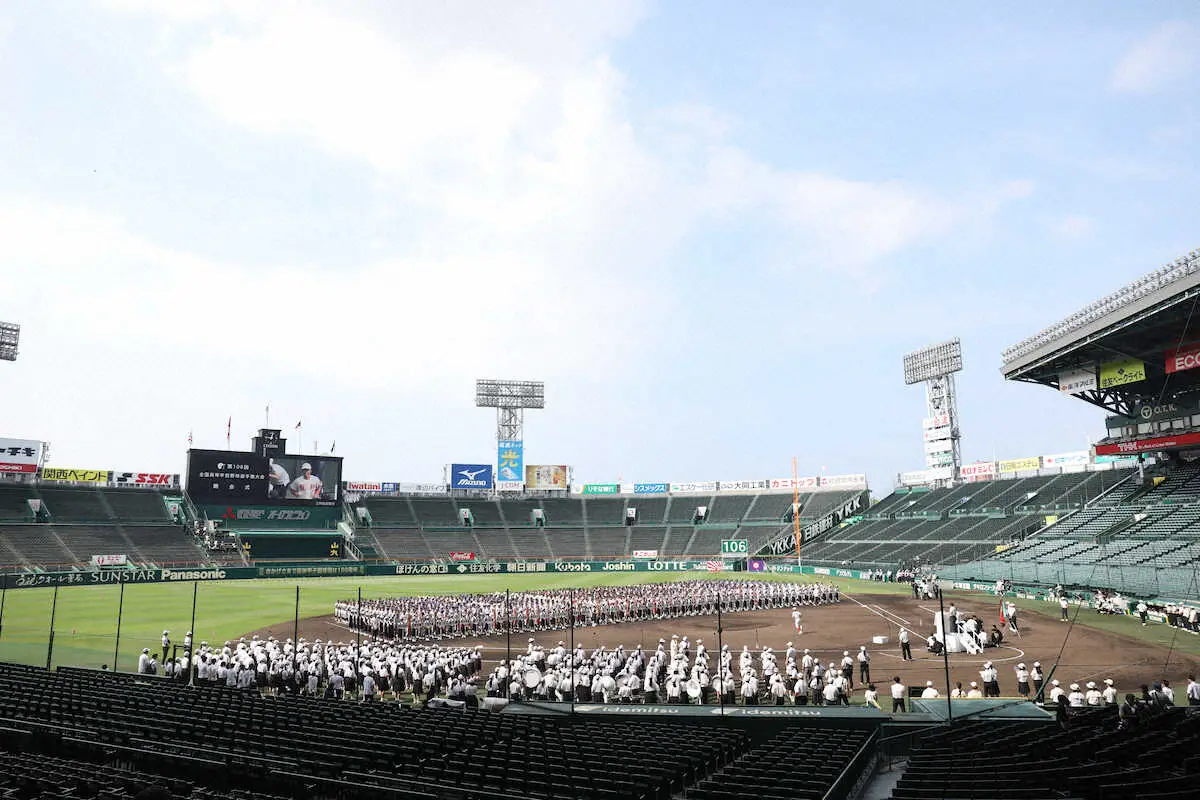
894	615
879	614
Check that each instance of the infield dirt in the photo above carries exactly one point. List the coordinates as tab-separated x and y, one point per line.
1088	654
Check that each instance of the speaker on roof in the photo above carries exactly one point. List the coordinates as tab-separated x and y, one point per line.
631	516
539	518
464	514
701	515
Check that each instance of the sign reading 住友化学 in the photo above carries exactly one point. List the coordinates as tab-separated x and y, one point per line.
734	547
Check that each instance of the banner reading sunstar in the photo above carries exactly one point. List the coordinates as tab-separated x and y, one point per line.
1183	358
20	455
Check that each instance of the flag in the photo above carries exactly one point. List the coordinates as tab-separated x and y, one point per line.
189	438
333	447
1003	619
297	426
714	566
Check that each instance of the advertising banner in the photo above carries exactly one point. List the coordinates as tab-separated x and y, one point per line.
742	486
694	486
936	421
1183	358
1020	464
419	488
1066	459
844	482
922	477
1146	445
460	556
364	487
69	474
934	460
225	476
935	434
546	476
1120	461
1077	381
645	554
20	455
470	476
803	484
979	471
940	446
255	516
651	488
601	488
1119	373
756	565
510	461
110	561
144	479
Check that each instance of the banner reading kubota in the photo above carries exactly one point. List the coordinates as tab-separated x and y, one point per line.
72	475
20	455
1119	373
546	476
1020	465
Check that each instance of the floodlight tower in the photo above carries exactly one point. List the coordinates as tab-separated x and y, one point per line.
10	336
510	399
935	367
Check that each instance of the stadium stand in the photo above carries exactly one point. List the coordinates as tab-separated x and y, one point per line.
240	741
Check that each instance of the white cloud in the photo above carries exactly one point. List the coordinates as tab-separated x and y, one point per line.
1073	226
1158	59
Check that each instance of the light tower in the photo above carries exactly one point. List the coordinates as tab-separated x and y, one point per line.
935	367
510	399
10	336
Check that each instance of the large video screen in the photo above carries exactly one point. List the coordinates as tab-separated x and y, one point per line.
224	476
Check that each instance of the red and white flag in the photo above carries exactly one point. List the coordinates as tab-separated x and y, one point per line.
1003	619
714	566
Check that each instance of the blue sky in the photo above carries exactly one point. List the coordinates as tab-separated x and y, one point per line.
712	232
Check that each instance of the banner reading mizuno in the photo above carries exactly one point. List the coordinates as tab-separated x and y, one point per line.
20	455
67	474
546	476
1119	373
470	476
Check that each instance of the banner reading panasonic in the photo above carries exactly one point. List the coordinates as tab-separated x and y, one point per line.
510	464
470	476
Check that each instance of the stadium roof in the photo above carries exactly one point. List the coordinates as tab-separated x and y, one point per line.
1140	322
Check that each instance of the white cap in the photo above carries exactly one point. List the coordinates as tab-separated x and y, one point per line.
974	685
1054	682
845	652
929	683
987	664
862	647
1037	663
1074	687
806	651
789	644
1020	666
1091	684
1109	681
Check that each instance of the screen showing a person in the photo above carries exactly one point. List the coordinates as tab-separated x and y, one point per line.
221	476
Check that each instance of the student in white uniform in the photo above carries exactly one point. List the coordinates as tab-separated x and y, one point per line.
974	692
1055	692
864	664
1092	696
1109	693
930	692
1076	698
899	692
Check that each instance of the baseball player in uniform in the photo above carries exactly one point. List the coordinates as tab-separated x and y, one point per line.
307	486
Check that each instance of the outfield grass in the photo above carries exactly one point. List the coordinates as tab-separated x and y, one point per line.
85	620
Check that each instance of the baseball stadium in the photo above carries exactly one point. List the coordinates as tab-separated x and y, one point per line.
270	624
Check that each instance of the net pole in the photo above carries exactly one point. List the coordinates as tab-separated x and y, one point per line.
50	643
508	665
946	659
571	654
358	641
720	655
296	635
3	597
796	512
191	630
120	611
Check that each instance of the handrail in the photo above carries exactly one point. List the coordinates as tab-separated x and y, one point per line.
854	771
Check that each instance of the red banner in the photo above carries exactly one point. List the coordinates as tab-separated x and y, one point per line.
462	556
1146	445
7	467
143	479
1183	358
